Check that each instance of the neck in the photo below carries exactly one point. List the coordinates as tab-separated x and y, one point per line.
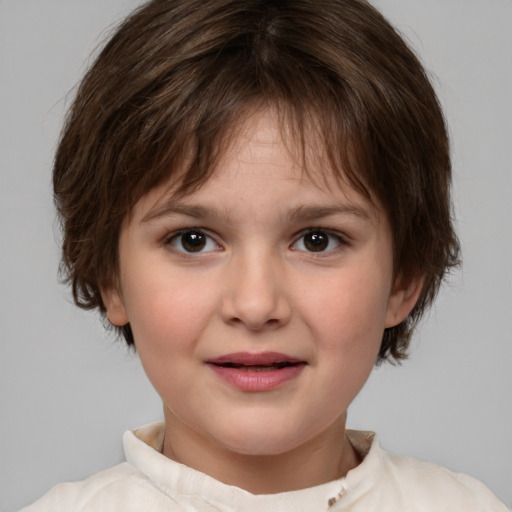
326	457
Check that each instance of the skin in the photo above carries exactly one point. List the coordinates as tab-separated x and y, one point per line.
254	287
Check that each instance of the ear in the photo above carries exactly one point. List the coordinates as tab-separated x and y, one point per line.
403	298
113	300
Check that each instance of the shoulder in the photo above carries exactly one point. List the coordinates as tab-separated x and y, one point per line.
384	481
442	489
120	488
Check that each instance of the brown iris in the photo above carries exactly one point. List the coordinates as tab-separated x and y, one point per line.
193	241
316	241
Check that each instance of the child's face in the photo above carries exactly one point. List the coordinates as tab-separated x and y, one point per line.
259	261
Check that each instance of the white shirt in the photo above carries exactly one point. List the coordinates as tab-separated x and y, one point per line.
150	482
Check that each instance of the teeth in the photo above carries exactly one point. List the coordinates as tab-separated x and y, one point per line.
258	368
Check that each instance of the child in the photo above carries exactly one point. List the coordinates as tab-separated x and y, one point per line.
256	195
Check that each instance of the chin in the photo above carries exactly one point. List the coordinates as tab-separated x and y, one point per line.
262	439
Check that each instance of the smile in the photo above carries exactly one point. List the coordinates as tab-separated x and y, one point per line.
256	372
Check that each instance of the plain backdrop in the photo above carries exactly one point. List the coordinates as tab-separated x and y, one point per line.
68	390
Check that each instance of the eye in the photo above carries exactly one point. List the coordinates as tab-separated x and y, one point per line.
318	240
191	241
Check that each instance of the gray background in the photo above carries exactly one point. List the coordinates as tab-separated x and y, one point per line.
68	391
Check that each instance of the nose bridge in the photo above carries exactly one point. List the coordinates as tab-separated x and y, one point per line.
256	292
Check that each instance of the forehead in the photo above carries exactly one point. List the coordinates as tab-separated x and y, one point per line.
262	159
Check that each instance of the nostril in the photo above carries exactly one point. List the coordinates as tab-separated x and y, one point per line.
255	303
257	325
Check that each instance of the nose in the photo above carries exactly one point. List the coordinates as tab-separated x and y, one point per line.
255	295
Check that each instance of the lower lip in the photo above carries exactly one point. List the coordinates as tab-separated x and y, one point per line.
261	380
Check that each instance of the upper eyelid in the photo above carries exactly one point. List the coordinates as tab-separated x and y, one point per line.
334	232
172	233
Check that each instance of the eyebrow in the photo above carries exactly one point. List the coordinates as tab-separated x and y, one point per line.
170	207
301	213
311	213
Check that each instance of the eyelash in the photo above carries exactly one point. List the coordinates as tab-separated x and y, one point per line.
330	235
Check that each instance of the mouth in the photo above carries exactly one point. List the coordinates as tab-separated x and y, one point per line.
256	372
264	361
258	367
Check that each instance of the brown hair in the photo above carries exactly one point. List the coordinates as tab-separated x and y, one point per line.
177	75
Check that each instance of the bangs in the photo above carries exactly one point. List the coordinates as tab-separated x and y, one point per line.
182	141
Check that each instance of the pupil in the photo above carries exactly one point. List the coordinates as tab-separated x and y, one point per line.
316	242
193	241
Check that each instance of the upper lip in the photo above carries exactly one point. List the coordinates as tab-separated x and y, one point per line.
254	359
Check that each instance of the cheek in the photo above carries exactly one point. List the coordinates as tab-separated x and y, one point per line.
346	318
167	326
348	312
167	314
349	335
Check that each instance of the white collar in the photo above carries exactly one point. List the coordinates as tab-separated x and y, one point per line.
143	449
